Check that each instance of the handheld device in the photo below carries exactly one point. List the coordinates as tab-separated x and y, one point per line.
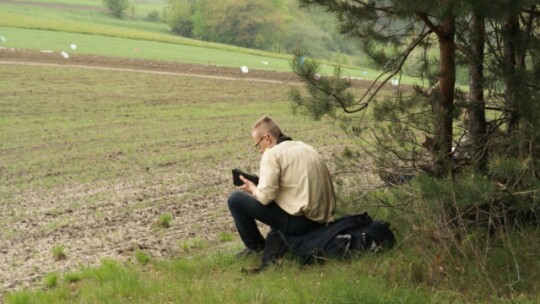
236	177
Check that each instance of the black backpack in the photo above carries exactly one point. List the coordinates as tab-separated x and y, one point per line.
346	236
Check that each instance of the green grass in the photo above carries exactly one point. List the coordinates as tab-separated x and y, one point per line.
58	253
51	280
142	7
164	220
142	257
143	49
78	20
216	278
98	33
96	3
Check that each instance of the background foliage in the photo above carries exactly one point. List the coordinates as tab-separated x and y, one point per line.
277	25
118	8
464	158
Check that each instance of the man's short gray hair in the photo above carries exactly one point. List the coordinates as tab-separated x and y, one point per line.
265	124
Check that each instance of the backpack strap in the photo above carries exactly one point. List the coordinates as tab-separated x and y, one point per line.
274	247
345	223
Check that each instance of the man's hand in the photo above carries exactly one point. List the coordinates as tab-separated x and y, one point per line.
248	186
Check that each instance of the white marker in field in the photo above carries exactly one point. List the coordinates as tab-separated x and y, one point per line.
2	39
64	54
395	82
73	46
244	69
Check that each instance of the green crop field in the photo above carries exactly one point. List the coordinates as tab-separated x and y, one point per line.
131	113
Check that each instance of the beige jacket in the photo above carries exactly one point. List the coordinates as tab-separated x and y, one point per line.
294	175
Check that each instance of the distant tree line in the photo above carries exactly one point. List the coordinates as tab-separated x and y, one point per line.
272	25
254	23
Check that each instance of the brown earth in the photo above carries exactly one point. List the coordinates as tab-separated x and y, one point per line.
114	224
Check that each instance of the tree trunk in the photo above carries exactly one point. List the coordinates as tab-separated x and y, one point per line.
447	80
510	37
475	119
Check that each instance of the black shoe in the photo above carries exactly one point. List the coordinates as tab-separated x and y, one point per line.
247	252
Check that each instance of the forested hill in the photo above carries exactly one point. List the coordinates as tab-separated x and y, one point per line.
277	25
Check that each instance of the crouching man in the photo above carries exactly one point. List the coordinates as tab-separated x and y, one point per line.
295	193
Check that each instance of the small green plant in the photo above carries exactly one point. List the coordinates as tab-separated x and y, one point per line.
58	252
72	277
225	236
142	257
51	280
164	220
193	244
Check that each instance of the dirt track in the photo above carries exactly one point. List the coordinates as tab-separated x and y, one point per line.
12	56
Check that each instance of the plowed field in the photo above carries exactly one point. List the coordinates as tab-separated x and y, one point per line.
94	150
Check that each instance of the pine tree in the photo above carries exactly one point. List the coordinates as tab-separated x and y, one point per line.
391	31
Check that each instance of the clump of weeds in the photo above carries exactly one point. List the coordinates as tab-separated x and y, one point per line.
59	253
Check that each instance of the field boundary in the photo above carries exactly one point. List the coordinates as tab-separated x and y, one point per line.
14	56
57	65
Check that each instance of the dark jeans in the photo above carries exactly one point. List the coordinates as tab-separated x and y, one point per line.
245	210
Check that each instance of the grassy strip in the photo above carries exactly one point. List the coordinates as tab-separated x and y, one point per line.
143	49
216	278
141	8
96	3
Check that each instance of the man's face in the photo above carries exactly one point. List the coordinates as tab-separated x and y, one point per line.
262	142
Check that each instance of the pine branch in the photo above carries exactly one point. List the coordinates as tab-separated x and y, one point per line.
436	29
404	56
